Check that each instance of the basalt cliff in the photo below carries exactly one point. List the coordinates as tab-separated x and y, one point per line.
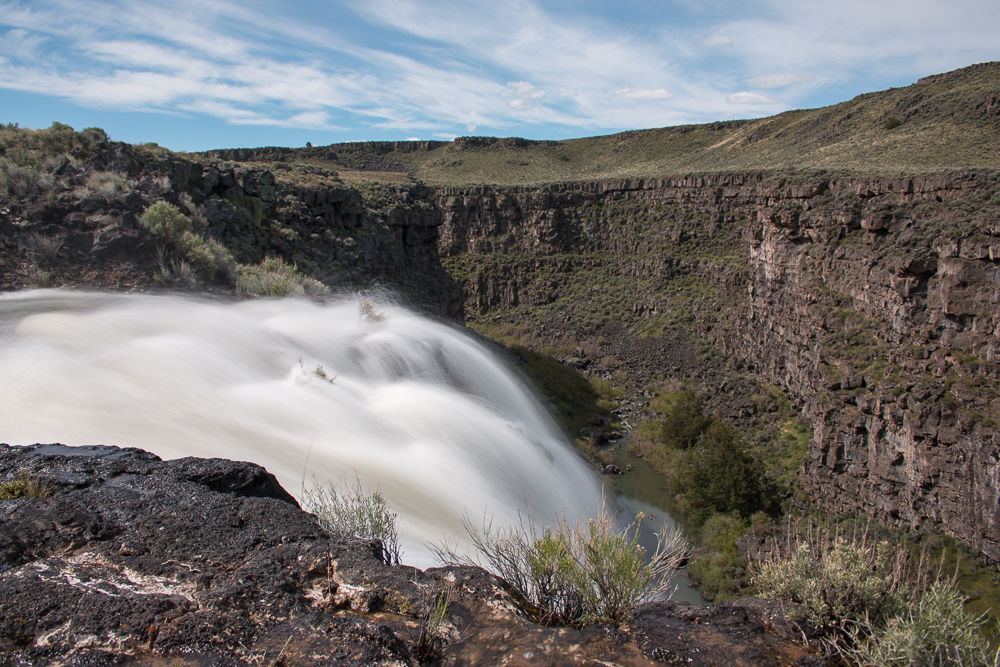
130	559
849	256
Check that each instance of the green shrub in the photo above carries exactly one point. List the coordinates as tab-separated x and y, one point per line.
718	575
720	532
579	574
720	475
25	485
932	631
188	255
165	221
355	513
684	418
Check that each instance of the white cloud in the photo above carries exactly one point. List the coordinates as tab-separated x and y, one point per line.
421	65
717	40
644	93
747	97
412	139
448	136
778	80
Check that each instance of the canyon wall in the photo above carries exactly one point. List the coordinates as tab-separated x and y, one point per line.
875	303
74	220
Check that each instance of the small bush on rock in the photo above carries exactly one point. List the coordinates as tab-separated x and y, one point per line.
355	513
165	221
869	602
934	630
274	278
25	485
576	574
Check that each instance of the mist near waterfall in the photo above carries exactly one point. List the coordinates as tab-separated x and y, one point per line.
311	391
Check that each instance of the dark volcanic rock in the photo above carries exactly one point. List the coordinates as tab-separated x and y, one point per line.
211	561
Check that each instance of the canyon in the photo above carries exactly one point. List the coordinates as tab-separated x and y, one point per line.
867	293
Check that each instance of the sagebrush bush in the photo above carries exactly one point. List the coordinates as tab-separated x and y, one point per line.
869	601
105	185
165	221
935	630
576	574
186	254
355	513
835	580
23	181
274	278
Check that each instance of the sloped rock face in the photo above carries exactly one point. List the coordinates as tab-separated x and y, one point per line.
84	228
875	303
210	561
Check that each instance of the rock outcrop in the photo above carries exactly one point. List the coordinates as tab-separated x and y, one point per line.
78	224
131	558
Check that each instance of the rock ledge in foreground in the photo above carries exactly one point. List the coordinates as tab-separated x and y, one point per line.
211	561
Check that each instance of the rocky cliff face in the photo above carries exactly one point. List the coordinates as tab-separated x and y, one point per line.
206	561
871	301
75	221
875	303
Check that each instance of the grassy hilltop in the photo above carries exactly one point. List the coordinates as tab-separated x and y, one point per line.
942	122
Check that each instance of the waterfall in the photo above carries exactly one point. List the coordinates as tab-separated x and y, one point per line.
311	391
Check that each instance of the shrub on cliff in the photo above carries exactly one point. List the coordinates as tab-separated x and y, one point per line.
165	221
355	513
869	602
272	277
576	574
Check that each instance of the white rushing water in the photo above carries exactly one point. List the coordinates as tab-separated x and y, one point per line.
411	406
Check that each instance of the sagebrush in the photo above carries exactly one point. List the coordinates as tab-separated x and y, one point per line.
576	574
355	513
869	601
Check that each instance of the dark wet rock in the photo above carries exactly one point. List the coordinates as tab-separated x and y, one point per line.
210	561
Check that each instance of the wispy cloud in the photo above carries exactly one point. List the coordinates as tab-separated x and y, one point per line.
778	80
747	97
438	68
717	40
644	93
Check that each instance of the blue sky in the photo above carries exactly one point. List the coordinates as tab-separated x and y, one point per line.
208	74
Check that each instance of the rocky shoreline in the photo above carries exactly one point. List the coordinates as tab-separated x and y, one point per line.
134	559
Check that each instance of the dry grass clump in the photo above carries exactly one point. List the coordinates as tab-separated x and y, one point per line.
25	485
